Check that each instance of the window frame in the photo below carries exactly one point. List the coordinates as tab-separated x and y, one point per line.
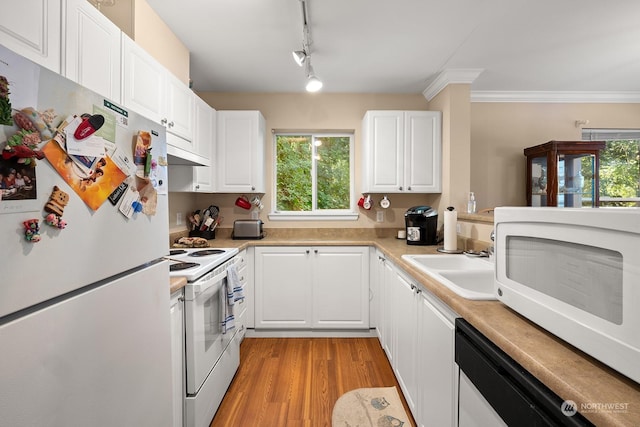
350	214
607	134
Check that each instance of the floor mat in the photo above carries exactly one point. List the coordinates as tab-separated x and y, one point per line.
370	407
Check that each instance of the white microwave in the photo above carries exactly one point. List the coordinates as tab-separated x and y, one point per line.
576	273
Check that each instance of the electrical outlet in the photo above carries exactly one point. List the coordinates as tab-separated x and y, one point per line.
380	216
179	218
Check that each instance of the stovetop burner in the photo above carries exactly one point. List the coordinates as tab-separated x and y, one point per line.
182	266
177	252
206	252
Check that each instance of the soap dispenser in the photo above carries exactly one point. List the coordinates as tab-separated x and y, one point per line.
471	204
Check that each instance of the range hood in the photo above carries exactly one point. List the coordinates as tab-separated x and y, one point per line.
179	156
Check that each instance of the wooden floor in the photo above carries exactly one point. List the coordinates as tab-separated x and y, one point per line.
294	382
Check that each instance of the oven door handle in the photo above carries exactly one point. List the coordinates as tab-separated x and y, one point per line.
208	281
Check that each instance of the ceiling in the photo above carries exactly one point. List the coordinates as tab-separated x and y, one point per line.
401	46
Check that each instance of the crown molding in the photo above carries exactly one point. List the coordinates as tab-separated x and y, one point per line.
451	76
631	97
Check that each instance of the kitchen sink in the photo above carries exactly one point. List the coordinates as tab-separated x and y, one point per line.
470	278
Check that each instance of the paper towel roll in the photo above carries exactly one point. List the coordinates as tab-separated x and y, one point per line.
450	235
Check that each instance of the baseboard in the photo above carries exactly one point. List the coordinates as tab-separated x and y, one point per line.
309	333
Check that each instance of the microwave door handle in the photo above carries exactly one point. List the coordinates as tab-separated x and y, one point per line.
205	284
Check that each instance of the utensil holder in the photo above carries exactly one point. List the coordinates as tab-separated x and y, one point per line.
206	234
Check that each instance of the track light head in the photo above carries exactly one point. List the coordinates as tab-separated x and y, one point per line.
300	56
314	84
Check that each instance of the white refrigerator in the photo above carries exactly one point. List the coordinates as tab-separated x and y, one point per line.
84	311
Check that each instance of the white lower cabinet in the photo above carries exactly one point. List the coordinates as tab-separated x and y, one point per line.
405	334
177	356
302	287
437	371
240	310
417	332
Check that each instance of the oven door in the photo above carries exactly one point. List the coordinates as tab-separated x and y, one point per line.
205	341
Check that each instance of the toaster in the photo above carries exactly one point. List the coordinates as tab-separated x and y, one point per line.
247	229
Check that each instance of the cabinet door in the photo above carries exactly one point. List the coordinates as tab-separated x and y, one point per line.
282	287
178	111
92	49
240	157
383	136
143	83
204	143
386	323
437	373
404	332
177	356
340	289
32	28
422	151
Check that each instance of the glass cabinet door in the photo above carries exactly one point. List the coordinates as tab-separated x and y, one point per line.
539	180
575	180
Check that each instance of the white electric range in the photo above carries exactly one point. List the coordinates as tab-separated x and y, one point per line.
193	263
212	352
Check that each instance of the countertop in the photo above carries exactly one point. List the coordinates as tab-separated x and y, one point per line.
567	371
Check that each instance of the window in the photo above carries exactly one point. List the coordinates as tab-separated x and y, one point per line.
314	176
619	165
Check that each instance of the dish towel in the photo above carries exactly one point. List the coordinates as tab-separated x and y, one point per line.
233	292
235	284
228	320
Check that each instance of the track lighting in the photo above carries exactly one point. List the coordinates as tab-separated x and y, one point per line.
303	57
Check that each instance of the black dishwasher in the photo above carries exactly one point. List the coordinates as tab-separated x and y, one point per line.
518	397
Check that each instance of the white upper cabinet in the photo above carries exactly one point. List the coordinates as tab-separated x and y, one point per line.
32	28
240	152
402	152
204	177
178	109
151	90
92	48
198	178
143	81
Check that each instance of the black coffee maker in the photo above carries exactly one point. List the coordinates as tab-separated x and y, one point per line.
422	225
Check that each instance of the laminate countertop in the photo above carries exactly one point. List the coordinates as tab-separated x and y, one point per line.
602	395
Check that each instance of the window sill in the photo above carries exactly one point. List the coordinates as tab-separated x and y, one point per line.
333	216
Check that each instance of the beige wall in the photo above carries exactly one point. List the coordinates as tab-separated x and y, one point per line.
500	132
153	35
137	20
453	101
316	112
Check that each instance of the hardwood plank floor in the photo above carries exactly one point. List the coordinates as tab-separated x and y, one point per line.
294	382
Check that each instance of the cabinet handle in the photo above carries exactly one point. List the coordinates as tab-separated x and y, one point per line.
409	188
197	186
253	188
418	291
181	299
400	188
307	251
163	121
413	287
315	251
171	124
